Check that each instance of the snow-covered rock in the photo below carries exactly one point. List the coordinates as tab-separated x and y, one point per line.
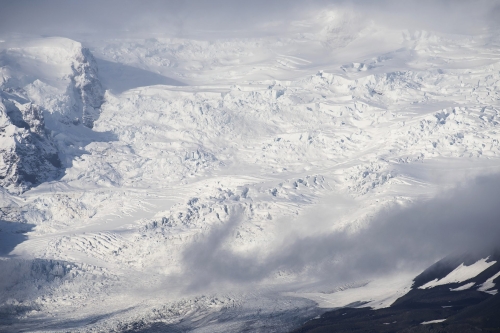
88	87
52	79
58	74
28	156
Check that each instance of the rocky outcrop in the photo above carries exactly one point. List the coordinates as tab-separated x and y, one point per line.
27	154
55	77
58	74
89	92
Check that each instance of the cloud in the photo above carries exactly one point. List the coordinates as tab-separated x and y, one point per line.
184	17
451	16
116	17
465	219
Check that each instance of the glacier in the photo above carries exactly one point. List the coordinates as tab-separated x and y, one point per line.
156	181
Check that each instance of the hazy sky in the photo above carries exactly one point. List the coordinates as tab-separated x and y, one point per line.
181	17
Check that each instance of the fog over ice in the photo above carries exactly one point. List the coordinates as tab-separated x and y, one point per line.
462	220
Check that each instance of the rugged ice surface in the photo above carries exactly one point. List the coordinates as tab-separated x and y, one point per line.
297	136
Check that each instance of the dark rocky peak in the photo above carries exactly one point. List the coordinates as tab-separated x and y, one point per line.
89	91
21	112
28	156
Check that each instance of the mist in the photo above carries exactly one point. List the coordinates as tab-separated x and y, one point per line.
463	220
237	18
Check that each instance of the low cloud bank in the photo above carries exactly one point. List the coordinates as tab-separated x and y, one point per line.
466	219
183	17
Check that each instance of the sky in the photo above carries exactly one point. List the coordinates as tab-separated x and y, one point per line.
70	18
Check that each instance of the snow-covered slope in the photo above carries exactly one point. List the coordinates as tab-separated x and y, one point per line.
460	274
162	189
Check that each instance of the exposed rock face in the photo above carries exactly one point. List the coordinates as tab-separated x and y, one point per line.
88	88
58	74
55	77
27	154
